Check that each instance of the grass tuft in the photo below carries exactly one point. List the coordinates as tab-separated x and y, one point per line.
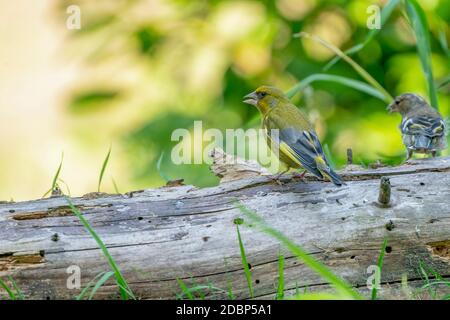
344	290
124	289
185	290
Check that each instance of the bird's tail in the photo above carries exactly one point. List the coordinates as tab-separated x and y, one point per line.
326	171
422	142
333	176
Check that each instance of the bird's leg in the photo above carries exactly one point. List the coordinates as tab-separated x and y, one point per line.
277	177
433	153
410	154
300	176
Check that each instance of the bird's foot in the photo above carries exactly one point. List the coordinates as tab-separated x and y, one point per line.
276	178
299	176
408	157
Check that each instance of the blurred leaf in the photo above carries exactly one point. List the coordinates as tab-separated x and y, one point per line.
443	41
419	24
385	14
147	38
93	25
92	100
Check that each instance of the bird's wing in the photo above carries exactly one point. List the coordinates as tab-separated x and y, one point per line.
301	146
305	147
423	125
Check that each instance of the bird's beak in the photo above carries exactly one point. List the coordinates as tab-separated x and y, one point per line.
392	107
251	98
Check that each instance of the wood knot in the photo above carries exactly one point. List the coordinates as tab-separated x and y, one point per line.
384	195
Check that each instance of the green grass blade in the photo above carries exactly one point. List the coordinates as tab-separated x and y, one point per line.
102	171
297	291
426	279
196	288
158	168
127	291
56	177
100	282
248	275
8	290
343	288
363	73
354	84
380	266
280	289
229	284
433	272
66	185
443	42
88	286
436	283
405	287
123	286
19	293
443	82
419	25
116	189
385	14
230	291
185	289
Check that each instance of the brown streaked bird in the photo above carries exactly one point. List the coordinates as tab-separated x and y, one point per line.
296	144
423	129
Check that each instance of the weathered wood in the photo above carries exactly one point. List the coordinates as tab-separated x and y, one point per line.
157	236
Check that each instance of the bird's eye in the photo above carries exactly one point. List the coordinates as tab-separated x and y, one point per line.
262	94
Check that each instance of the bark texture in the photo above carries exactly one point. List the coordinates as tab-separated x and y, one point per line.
180	231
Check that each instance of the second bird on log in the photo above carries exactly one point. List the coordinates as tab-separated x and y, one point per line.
290	135
423	129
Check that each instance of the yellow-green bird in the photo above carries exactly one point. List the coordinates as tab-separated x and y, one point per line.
290	133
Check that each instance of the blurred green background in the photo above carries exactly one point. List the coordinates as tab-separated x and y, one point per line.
139	69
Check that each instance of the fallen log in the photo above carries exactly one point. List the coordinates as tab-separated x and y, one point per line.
181	232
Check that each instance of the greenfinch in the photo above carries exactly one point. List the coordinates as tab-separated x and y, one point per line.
423	129
296	143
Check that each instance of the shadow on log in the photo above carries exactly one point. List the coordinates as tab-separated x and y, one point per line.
179	231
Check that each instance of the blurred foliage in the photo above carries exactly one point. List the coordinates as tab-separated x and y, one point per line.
153	66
